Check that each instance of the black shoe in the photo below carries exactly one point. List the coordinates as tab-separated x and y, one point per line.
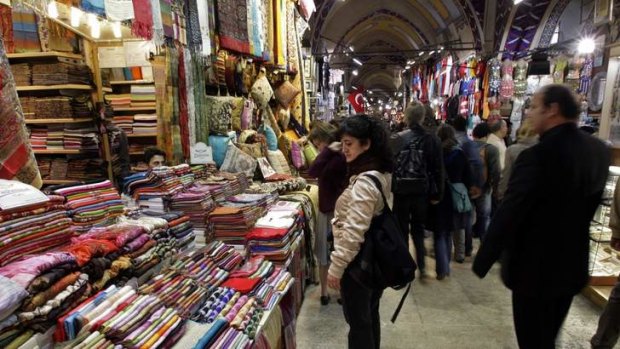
339	301
442	276
468	254
459	260
325	300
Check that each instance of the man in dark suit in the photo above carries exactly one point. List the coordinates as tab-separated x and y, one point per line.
541	228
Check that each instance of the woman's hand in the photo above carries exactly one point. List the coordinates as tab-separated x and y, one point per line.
333	282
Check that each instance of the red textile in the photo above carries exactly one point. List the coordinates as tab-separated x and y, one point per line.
183	112
267	234
84	251
142	24
243	285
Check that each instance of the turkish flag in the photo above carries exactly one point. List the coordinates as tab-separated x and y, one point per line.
356	98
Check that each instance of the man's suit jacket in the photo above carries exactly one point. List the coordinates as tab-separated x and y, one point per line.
541	229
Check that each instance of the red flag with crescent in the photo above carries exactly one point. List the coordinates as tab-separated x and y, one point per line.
356	98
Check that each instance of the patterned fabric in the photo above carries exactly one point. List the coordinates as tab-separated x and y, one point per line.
268	36
183	104
262	92
280	38
25	32
233	25
95	6
221	112
166	18
16	158
6	28
286	93
204	29
194	36
294	62
158	26
278	162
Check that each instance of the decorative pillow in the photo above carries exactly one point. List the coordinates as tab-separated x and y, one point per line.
272	139
220	114
220	67
286	93
292	135
297	155
237	161
238	106
278	162
248	76
230	68
262	92
219	144
255	150
284	117
310	153
245	135
246	114
284	144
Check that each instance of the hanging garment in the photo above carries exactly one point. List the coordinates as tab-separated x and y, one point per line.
205	30
142	24
279	20
158	26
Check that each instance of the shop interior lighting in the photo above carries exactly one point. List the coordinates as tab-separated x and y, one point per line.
95	29
355	72
357	61
400	94
116	29
586	46
421	53
76	16
517	2
52	9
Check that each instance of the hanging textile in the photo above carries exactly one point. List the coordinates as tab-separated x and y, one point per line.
279	24
142	25
166	18
203	22
183	99
16	158
212	26
94	6
25	32
255	27
200	100
164	103
194	37
158	26
268	29
44	33
191	106
296	106
179	23
6	28
233	25
174	101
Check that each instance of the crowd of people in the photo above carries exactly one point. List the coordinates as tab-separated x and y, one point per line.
544	188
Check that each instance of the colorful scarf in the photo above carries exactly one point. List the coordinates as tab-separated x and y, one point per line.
183	108
142	25
166	18
279	20
25	31
158	26
16	158
6	28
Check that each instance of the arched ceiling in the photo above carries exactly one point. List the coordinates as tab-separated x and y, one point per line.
385	34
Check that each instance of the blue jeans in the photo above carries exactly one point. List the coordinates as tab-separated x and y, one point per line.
483	214
443	251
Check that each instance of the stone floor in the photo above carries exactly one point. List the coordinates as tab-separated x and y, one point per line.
461	311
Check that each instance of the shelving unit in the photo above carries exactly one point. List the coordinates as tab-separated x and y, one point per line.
131	82
59	181
57	151
54	87
135	109
57	121
150	135
44	55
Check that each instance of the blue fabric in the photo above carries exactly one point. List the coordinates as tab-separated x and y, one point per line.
483	215
94	6
219	145
218	327
443	250
272	140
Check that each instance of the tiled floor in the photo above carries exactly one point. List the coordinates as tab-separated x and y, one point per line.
461	311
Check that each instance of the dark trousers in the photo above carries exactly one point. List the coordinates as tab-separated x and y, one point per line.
608	329
361	311
538	319
411	212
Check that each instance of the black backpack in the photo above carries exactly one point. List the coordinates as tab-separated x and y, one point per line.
411	174
384	259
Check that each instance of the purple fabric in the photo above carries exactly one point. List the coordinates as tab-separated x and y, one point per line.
137	242
24	271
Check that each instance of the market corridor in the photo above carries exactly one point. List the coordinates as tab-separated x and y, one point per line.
461	312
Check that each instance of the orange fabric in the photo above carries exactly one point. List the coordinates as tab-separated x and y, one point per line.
86	250
42	297
160	333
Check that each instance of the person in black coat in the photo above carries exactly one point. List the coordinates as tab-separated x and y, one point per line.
541	228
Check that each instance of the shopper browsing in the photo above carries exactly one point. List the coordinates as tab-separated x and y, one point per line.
330	168
526	137
154	157
489	156
366	149
499	130
608	330
541	229
418	178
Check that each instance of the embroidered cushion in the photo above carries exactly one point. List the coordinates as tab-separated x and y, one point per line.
278	162
262	92
286	93
237	161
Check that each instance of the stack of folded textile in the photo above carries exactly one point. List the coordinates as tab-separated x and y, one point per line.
44	165
55	137
274	234
197	203
179	227
157	228
121	318
85	169
238	182
124	122
184	173
209	265
231	223
22	73
38	138
35	290
92	204
59	168
118	100
143	96
29	106
145	124
150	189
32	228
57	73
176	290
274	287
83	139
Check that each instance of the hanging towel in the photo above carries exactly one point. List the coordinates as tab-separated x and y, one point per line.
94	6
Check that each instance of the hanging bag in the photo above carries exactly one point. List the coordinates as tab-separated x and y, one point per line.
460	197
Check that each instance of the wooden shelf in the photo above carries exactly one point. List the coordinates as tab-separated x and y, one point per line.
54	87
59	181
134	109
59	151
57	121
41	55
107	89
133	153
132	82
147	135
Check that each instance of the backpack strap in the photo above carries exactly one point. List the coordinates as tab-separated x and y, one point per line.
377	183
400	304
